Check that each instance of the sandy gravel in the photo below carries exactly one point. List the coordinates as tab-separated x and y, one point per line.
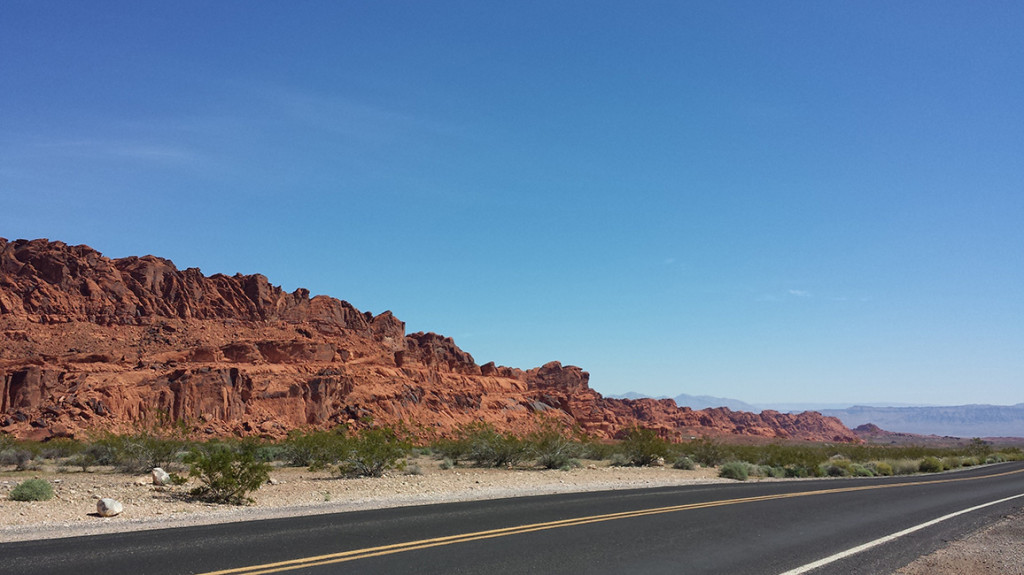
998	549
995	550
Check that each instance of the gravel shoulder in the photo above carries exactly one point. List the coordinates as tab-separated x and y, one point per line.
997	549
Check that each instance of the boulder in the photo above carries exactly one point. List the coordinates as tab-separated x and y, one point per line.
161	477
108	507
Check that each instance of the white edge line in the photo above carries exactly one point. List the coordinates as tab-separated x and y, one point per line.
887	538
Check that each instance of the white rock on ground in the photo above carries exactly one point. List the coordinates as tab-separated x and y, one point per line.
108	507
161	477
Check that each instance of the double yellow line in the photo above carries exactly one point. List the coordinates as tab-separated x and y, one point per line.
493	533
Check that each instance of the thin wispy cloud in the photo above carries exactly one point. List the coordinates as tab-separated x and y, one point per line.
799	293
113	149
346	116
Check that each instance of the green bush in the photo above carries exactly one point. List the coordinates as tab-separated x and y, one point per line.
952	462
450	449
32	490
836	467
373	451
769	471
21	458
85	460
738	470
228	473
858	470
881	468
643	446
488	447
930	465
706	451
904	466
552	447
596	450
315	449
684	462
136	452
60	448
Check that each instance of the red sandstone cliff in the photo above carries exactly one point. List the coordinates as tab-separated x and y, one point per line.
88	342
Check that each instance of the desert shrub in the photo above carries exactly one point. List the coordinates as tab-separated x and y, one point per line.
805	457
315	449
619	460
769	471
643	446
21	458
552	446
60	448
373	451
979	448
450	448
32	490
738	470
446	464
137	452
684	462
597	450
706	451
227	473
488	447
83	459
836	466
930	464
880	468
858	470
952	462
904	466
412	469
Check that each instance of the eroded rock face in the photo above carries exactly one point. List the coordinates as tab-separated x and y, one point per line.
88	342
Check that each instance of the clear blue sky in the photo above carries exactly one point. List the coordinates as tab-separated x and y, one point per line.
771	201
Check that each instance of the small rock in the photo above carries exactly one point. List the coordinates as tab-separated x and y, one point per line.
161	477
273	481
108	507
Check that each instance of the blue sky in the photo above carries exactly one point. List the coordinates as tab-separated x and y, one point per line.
776	202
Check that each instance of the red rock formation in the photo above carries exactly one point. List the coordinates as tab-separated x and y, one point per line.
89	343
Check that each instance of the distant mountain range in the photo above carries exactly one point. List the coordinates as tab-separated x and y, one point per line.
697	401
955	421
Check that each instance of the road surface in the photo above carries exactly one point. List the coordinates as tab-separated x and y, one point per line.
747	528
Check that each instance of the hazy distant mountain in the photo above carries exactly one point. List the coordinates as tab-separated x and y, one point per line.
698	401
706	401
956	421
634	395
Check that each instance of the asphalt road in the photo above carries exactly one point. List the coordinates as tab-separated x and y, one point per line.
747	528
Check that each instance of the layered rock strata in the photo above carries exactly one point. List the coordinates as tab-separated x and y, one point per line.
92	343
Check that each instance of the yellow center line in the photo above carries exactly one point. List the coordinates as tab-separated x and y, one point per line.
529	528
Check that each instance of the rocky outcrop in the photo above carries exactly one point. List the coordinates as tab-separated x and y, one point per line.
88	343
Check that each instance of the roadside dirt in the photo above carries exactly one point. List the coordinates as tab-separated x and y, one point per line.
995	550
